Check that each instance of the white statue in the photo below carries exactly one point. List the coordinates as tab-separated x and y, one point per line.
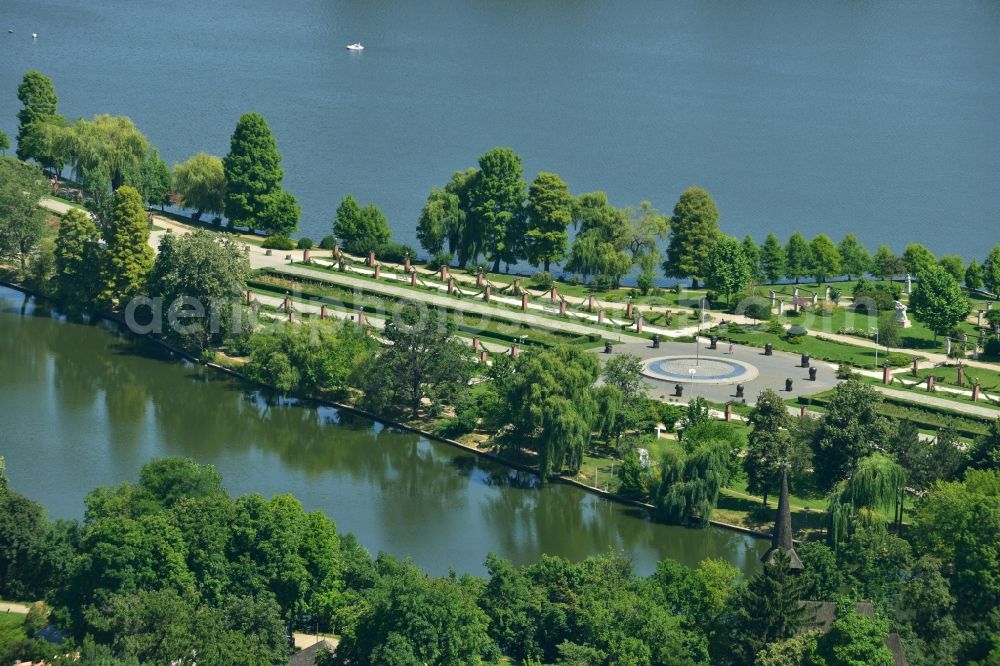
901	320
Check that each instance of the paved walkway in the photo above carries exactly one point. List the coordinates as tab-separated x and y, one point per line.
936	358
930	400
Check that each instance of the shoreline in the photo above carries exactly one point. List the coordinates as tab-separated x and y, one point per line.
487	455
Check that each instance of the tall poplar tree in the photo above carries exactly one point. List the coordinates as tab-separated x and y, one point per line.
254	195
752	253
694	228
854	257
78	261
772	259
825	258
798	257
768	444
128	257
938	301
38	97
550	210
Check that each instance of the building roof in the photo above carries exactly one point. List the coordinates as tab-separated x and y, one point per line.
781	536
307	656
820	616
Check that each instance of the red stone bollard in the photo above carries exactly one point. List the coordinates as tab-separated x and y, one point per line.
638	324
553	295
322	311
287	303
361	318
378	272
487	293
305	256
475	344
590	303
249	297
406	265
930	382
975	392
628	310
804	410
371	257
961	375
886	374
562	308
600	316
480	279
729	412
444	273
524	301
291	315
413	279
451	286
482	356
514	351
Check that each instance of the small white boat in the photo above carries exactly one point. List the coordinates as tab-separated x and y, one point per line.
34	35
356	46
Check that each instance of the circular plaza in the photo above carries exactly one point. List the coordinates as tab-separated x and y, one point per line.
690	369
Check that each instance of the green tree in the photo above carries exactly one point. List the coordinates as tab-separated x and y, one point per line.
852	428
767	444
497	204
601	244
201	182
821	577
202	280
856	640
798	257
886	264
360	229
694	229
106	151
888	329
974	275
646	228
129	258
824	257
281	213
772	259
955	266
408	618
22	222
984	453
727	268
689	484
752	253
424	361
440	215
549	404
854	257
991	271
78	261
550	210
4	143
253	172
918	259
766	610
151	177
938	301
39	105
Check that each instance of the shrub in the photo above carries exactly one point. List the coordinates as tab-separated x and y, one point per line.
824	308
394	252
644	282
462	423
992	348
711	296
440	259
758	311
278	243
797	331
867	293
37	618
795	339
542	280
897	360
328	242
835	294
305	243
774	327
845	370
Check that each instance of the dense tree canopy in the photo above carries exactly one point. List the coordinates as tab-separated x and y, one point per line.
600	248
550	210
360	228
798	257
938	300
128	258
772	259
825	260
254	196
201	280
694	228
22	222
496	199
727	268
854	257
78	257
39	107
201	182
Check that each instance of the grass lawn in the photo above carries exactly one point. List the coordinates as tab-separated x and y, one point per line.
989	380
11	629
825	350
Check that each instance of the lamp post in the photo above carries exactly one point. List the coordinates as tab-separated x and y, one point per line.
874	329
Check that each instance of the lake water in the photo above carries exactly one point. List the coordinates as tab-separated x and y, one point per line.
876	118
82	406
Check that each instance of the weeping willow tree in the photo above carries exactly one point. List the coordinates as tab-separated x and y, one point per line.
689	485
877	484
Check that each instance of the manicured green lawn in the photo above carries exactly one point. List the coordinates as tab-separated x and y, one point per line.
826	350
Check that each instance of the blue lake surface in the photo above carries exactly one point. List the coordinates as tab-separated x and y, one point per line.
877	118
